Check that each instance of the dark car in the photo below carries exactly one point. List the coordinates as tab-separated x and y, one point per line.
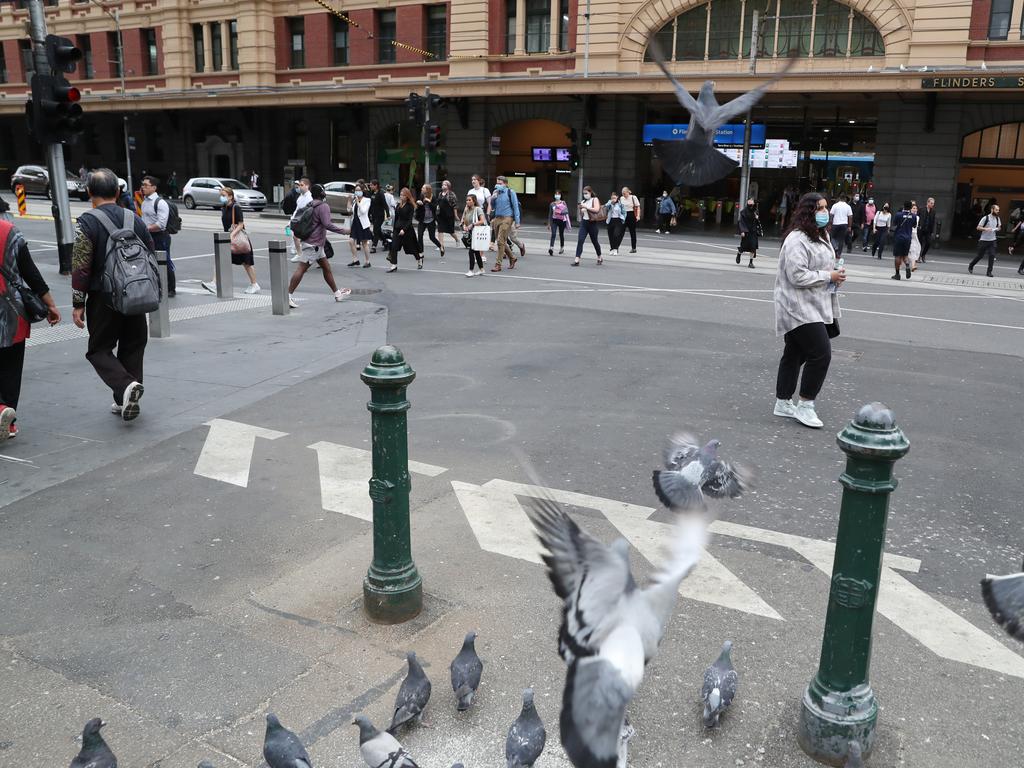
36	180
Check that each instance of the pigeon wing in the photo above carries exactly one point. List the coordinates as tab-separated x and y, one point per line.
285	750
683	95
727	480
593	708
588	575
679	449
729	683
746	101
1004	597
385	751
524	743
412	698
679	489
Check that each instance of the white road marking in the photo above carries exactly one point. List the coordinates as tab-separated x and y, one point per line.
227	451
498	520
345	473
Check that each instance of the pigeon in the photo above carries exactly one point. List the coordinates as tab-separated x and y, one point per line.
466	670
691	473
853	758
412	696
720	683
381	750
610	627
694	161
94	753
526	737
1004	596
282	748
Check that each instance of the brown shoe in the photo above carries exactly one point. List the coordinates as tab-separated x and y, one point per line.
496	268
512	262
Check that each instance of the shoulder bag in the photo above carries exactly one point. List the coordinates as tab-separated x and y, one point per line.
240	242
33	308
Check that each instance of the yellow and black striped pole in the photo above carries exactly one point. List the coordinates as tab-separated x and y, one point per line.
19	192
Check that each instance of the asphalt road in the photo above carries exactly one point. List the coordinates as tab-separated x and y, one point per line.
180	579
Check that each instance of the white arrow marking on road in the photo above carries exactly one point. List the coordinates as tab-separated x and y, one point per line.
344	474
498	520
227	452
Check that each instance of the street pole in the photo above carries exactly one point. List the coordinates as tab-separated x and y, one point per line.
838	705
116	16
586	43
392	589
423	135
745	167
61	207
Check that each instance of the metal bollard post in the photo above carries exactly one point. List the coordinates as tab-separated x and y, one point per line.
392	589
222	265
839	706
278	276
160	320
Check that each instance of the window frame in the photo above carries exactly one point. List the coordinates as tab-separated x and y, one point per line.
432	14
3	64
150	55
217	46
339	27
1001	10
296	31
386	52
233	44
198	48
83	41
117	63
537	40
510	27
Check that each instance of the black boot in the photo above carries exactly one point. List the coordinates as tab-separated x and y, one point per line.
739	255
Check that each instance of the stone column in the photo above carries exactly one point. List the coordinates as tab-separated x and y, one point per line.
555	18
207	48
520	48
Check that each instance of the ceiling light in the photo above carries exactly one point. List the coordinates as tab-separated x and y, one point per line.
853	122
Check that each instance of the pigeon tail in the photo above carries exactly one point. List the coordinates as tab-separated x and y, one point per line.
1004	597
691	163
463	697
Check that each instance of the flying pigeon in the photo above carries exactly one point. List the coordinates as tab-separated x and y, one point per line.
853	758
381	750
94	753
1004	596
466	670
691	473
526	737
610	627
282	748
694	161
720	683
412	696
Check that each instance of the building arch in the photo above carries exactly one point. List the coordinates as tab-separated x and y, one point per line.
891	20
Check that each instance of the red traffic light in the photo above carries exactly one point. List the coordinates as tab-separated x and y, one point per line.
73	94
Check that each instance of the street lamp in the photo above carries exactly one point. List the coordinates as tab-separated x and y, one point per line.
116	16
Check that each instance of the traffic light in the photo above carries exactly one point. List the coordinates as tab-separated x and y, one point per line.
62	54
586	139
433	140
435	101
56	115
415	107
574	150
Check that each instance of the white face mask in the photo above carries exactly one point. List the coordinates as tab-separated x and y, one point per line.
558	197
359	193
586	195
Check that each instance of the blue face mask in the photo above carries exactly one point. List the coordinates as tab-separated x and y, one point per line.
821	218
223	199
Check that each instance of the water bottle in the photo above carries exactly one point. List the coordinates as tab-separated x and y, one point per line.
288	230
833	287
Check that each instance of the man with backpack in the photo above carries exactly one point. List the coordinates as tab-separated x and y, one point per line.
310	226
989	227
162	222
114	283
904	224
302	199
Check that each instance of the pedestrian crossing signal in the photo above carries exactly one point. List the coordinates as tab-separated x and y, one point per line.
433	132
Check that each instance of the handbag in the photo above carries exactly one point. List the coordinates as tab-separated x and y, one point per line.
599	215
33	307
481	238
240	242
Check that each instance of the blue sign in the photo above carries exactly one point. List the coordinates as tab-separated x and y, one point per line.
727	134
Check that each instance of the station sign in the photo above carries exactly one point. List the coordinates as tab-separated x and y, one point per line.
726	135
972	83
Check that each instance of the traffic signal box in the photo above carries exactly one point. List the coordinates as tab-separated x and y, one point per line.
55	114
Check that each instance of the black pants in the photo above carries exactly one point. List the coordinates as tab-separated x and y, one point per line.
557	227
926	243
162	242
109	329
431	228
986	248
616	231
475	260
664	221
881	236
378	234
839	238
631	226
587	229
808	346
12	362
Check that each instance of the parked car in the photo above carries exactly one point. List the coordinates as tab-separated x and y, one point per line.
36	180
340	195
205	191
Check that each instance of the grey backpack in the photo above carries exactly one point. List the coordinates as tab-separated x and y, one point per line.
131	279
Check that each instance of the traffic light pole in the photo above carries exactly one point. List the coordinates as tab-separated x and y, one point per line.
423	135
61	207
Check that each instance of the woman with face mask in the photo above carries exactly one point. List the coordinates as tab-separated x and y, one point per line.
666	210
806	309
589	209
750	231
631	205
615	214
233	222
558	220
362	228
880	227
447	212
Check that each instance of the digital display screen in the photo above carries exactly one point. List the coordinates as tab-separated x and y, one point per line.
517	184
542	154
562	154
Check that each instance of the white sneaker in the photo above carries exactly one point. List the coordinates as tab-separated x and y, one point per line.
115	409
132	395
254	288
291	302
471	273
341	293
483	257
785	408
295	258
805	414
210	286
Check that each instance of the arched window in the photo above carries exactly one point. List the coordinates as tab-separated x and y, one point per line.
995	144
721	29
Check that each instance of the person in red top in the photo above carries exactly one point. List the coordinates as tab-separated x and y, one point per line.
16	265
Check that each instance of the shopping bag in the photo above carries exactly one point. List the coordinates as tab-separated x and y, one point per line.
481	238
240	243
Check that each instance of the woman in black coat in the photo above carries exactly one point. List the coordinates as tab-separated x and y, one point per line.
404	231
750	230
16	265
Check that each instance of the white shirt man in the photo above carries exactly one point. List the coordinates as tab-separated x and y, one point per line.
305	198
841	213
988	227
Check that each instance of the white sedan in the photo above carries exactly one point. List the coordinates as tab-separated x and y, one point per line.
205	191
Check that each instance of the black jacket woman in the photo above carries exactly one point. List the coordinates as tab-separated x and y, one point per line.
16	267
750	230
447	212
404	231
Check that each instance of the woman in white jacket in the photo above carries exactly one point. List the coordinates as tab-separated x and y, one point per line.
362	229
806	309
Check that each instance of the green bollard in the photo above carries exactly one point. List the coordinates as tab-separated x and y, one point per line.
839	706
392	589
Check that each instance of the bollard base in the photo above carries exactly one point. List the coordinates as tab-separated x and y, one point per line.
392	598
830	720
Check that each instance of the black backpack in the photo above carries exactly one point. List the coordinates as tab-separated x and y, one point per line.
288	203
305	225
173	218
131	278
